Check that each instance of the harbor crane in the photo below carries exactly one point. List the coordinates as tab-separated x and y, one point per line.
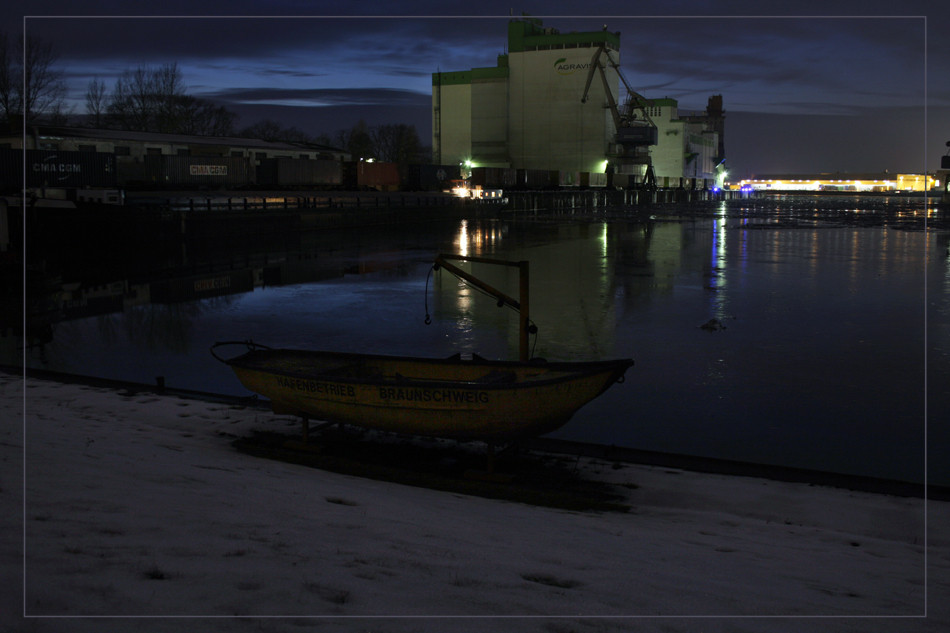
635	130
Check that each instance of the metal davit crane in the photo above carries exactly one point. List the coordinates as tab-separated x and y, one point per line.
635	130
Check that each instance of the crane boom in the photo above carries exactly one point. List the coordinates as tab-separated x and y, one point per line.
633	134
595	66
637	101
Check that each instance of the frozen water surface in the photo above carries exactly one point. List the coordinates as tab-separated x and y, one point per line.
800	331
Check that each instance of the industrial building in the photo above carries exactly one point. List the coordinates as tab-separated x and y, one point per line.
553	102
82	158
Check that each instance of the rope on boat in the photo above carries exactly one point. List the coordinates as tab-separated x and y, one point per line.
251	345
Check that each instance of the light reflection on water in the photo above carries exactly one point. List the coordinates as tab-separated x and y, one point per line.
819	362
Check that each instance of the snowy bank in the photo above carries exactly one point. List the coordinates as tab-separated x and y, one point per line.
138	507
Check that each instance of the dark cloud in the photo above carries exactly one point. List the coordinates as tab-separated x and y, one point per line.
837	60
872	141
324	96
329	120
823	57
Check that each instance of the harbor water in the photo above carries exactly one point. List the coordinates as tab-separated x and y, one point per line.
802	331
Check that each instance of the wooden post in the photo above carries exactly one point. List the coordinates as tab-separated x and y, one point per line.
521	305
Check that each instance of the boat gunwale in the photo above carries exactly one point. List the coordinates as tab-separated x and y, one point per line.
573	369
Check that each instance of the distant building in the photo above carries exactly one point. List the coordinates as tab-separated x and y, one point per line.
690	145
856	182
133	146
526	112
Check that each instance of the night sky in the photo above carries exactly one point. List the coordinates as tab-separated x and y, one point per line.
829	86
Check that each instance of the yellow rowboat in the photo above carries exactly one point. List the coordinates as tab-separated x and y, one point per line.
474	399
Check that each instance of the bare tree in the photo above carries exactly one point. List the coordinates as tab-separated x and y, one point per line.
30	87
154	100
169	96
130	107
96	102
145	99
270	130
397	143
357	141
8	99
265	130
202	118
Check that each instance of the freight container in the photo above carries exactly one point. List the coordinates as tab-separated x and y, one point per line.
11	170
130	173
536	179
310	173
619	181
494	178
204	172
361	175
430	177
52	168
569	178
296	172
593	179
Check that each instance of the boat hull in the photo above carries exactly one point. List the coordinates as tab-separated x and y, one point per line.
463	399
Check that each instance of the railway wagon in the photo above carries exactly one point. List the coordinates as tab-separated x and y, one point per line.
295	172
363	175
54	168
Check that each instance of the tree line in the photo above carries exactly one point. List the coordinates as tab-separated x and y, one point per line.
148	99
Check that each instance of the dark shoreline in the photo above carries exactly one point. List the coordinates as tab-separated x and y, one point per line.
566	447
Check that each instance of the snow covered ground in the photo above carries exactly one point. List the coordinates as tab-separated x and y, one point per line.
138	508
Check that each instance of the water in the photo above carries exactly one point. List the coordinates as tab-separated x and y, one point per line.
828	344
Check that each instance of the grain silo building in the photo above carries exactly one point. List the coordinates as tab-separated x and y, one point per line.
526	112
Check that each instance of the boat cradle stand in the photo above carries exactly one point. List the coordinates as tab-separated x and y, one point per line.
489	474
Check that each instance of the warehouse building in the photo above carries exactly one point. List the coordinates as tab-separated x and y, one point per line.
134	146
76	157
527	111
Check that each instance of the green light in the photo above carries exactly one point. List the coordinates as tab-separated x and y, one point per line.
721	174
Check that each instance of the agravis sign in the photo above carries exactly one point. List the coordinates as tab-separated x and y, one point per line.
563	67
